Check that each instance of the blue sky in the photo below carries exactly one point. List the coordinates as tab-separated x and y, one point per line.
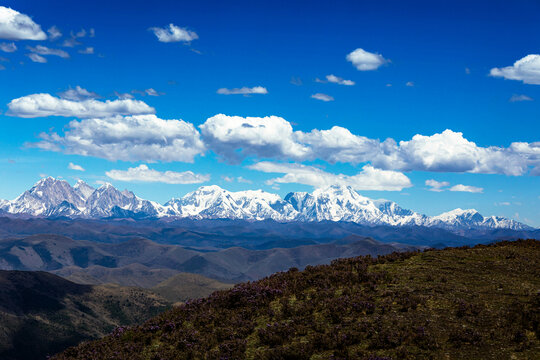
425	67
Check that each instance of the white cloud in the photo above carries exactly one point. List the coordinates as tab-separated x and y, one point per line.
37	58
529	151
144	174
174	34
2	67
87	51
17	26
436	185
526	69
338	80
70	42
448	151
42	105
364	60
8	47
337	144
296	81
466	188
43	50
367	179
79	34
409	83
73	166
153	92
322	97
78	94
518	98
239	179
54	33
234	137
243	91
123	95
128	138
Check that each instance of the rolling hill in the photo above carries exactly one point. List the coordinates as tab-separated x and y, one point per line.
457	303
145	263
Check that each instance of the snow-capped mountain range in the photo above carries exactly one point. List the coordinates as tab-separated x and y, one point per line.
51	197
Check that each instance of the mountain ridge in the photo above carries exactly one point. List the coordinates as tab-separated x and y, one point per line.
51	197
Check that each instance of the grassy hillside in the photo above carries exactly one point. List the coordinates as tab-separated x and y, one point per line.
460	303
41	313
185	286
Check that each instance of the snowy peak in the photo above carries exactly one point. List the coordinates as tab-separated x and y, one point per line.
471	218
45	194
214	202
55	197
83	189
334	203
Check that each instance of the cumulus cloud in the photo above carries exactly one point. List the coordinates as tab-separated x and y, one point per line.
76	167
54	33
526	69
243	91
365	61
128	138
338	80
337	144
37	58
143	173
78	94
448	151
42	105
8	47
17	26
466	188
43	50
518	98
437	186
174	34
234	138
367	179
409	84
322	97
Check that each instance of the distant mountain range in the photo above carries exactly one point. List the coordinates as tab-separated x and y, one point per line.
142	262
54	198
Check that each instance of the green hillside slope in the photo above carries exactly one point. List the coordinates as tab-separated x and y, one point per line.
185	286
461	303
